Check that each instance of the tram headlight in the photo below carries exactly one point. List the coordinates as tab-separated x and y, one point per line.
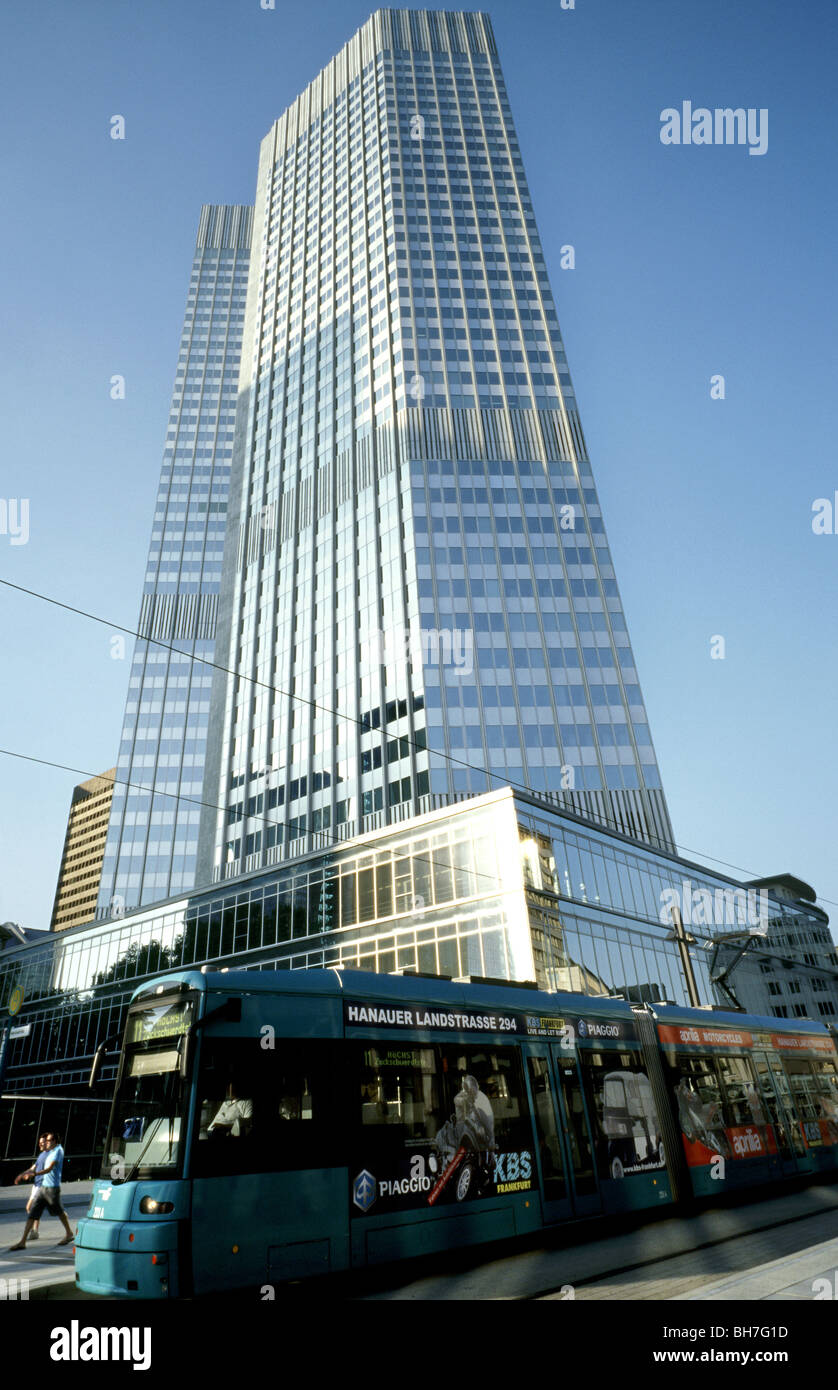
149	1206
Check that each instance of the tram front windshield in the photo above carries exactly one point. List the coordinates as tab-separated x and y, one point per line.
149	1115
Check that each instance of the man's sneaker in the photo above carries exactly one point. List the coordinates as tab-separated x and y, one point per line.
33	1235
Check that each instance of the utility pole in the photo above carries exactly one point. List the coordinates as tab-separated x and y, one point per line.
685	941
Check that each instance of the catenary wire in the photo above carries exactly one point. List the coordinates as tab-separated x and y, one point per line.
323	709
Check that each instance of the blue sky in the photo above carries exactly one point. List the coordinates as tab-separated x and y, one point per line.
689	262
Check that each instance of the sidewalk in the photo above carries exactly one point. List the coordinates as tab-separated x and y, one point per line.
43	1262
794	1276
15	1198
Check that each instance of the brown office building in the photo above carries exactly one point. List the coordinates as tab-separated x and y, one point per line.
84	850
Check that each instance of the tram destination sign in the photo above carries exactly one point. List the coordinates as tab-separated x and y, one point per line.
432	1019
160	1021
427	1018
802	1042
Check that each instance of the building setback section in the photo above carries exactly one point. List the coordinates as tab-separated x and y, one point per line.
153	834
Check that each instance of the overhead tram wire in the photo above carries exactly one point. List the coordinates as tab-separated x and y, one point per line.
593	820
264	820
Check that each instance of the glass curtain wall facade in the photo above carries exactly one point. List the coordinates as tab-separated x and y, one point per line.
153	832
495	886
418	596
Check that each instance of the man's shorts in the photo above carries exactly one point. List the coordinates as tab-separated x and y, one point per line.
48	1199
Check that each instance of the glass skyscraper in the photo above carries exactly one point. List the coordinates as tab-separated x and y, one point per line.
416	608
418	598
153	831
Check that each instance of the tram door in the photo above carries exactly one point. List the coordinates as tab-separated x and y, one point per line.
568	1177
586	1196
803	1159
551	1140
782	1122
564	1148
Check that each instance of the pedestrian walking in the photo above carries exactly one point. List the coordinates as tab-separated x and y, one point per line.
49	1194
36	1174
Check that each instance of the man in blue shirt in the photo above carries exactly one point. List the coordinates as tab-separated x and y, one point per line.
49	1195
36	1174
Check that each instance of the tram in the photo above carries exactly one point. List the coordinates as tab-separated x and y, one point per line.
269	1126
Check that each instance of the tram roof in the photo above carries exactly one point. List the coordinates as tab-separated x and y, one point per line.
680	1013
367	984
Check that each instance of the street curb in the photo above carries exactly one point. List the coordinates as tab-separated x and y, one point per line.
19	1209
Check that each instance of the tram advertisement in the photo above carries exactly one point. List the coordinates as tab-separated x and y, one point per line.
721	1112
629	1137
706	1138
464	1160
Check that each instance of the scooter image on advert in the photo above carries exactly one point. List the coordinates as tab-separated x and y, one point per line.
465	1145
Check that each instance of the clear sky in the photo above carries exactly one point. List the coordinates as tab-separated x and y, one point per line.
690	262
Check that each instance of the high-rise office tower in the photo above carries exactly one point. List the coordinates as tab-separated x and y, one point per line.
84	846
418	598
153	832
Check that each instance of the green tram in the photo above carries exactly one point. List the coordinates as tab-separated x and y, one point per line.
269	1126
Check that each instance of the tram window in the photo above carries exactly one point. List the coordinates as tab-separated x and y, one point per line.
408	1094
825	1071
699	1074
698	1099
803	1087
774	1115
552	1167
259	1111
826	1081
581	1155
627	1130
597	1069
399	1087
827	1077
496	1073
741	1105
781	1081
